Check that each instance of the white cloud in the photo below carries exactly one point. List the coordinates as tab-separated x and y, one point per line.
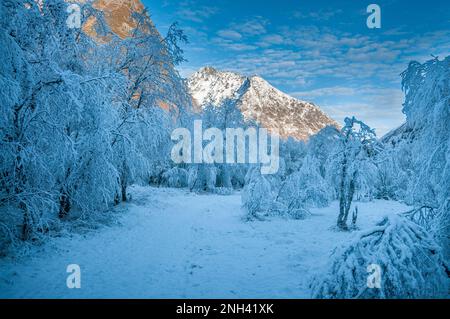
229	34
232	45
253	27
321	15
378	107
271	39
199	14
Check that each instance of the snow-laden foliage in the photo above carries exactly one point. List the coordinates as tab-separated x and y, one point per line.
421	147
418	166
265	196
202	177
81	121
292	153
427	107
412	165
321	147
305	188
175	177
301	182
440	227
409	258
351	166
55	136
391	178
257	196
434	220
220	176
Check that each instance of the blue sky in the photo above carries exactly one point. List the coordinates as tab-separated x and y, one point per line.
319	51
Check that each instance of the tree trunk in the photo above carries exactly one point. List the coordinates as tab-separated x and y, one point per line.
348	202
124	191
346	193
342	220
64	205
354	217
26	226
123	183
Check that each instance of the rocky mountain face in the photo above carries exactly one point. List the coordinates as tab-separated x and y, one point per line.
118	16
258	100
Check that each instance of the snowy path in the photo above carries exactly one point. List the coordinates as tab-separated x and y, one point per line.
172	243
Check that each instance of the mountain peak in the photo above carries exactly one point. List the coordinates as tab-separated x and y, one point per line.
258	100
207	70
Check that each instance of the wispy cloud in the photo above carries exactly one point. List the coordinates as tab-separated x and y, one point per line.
271	39
232	45
229	34
254	26
379	107
190	11
321	15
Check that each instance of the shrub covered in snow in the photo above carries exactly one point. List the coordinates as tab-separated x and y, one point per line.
202	177
175	177
257	197
260	200
305	188
410	260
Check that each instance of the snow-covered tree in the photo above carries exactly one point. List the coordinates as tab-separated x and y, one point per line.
300	182
175	177
257	197
81	120
427	109
351	166
395	259
322	145
419	150
142	136
305	188
292	153
222	177
202	177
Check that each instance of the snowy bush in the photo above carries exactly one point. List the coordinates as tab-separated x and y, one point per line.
391	178
257	197
410	260
175	177
202	177
292	153
208	177
305	188
322	145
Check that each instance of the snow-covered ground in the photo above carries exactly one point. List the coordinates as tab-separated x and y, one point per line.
175	244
